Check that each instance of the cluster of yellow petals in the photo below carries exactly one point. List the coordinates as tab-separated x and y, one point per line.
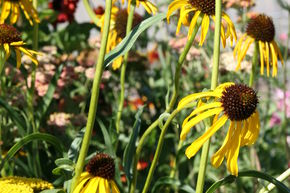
89	184
15	184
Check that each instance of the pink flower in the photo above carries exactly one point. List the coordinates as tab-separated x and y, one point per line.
275	120
90	73
283	37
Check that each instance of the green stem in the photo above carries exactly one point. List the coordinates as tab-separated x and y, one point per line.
254	65
30	98
280	178
123	71
214	83
94	96
90	12
169	108
158	151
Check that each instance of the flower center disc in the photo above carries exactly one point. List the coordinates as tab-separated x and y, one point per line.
205	6
102	165
261	28
121	22
8	34
239	102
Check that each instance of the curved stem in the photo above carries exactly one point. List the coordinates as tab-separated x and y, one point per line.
90	12
169	108
123	71
94	96
214	82
158	151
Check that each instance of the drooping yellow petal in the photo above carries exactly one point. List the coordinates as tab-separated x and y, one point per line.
218	157
114	187
18	58
232	159
204	29
5	11
274	60
193	23
267	55
196	145
81	184
150	7
183	14
246	46
174	6
261	48
186	128
192	97
238	46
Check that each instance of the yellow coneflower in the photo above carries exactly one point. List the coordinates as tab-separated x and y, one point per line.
17	184
149	7
192	9
234	102
99	176
118	30
14	6
10	38
261	30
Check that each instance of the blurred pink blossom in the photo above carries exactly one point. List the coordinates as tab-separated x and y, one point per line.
283	37
275	120
90	73
59	119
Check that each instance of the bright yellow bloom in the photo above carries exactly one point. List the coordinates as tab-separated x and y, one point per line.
98	177
23	184
262	31
190	10
117	30
14	6
10	38
149	7
229	101
14	188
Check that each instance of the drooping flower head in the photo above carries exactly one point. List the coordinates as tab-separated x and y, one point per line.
18	184
12	8
118	30
10	38
149	7
99	176
262	31
231	102
191	10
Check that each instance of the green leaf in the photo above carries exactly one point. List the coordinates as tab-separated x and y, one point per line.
34	136
64	161
107	139
165	181
53	191
47	98
75	146
58	170
131	146
16	118
127	43
229	179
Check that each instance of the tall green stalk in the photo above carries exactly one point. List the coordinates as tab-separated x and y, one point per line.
158	151
30	100
123	71
171	103
254	64
94	96
214	83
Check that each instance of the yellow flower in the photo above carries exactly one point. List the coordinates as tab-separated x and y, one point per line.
17	184
262	31
99	176
149	7
118	30
10	38
190	10
14	6
234	102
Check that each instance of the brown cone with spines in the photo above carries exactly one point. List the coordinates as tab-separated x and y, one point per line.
9	34
102	165
261	28
205	6
239	102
